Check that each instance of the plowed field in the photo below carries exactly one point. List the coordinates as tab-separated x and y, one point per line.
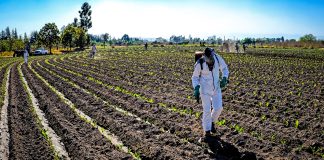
128	103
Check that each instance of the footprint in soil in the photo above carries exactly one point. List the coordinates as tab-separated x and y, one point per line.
227	150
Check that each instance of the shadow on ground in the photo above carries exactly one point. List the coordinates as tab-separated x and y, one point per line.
223	150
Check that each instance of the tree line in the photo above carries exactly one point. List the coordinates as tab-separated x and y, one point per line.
72	35
306	41
75	34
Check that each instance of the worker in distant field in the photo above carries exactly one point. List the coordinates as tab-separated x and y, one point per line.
226	47
237	47
145	46
26	55
244	47
93	50
207	84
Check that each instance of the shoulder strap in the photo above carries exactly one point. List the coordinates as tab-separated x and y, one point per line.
216	57
201	61
219	67
217	60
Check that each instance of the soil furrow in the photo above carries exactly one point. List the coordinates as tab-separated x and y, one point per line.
125	127
82	141
26	140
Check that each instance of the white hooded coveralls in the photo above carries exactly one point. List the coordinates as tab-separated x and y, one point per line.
210	91
26	56
93	51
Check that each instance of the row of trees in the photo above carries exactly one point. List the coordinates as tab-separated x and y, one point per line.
214	40
9	40
76	34
124	40
306	41
127	40
183	40
72	35
306	38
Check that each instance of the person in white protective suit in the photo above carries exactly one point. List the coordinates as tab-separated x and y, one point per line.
93	50
207	84
26	56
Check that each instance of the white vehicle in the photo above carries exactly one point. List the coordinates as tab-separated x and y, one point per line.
40	51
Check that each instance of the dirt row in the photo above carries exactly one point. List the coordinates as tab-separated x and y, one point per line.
26	140
81	140
2	92
249	126
156	112
2	72
137	135
146	75
158	97
289	142
261	115
234	92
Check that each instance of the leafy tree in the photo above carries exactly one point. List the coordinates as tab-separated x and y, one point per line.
160	40
33	37
69	35
292	40
10	45
48	35
219	41
75	22
85	16
308	38
14	34
260	40
4	45
125	38
113	41
88	39
247	40
26	40
177	39
8	34
3	35
81	37
105	38
212	39
196	40
18	45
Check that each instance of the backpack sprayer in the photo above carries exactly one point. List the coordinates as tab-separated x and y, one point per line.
199	58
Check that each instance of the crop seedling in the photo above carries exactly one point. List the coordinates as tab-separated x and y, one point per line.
198	114
238	128
296	124
273	137
221	122
260	104
283	141
263	117
286	122
267	104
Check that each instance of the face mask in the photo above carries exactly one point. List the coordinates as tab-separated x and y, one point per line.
210	62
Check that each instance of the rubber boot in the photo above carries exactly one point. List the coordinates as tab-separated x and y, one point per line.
206	137
213	129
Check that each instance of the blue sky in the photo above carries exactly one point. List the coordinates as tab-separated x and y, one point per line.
163	18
